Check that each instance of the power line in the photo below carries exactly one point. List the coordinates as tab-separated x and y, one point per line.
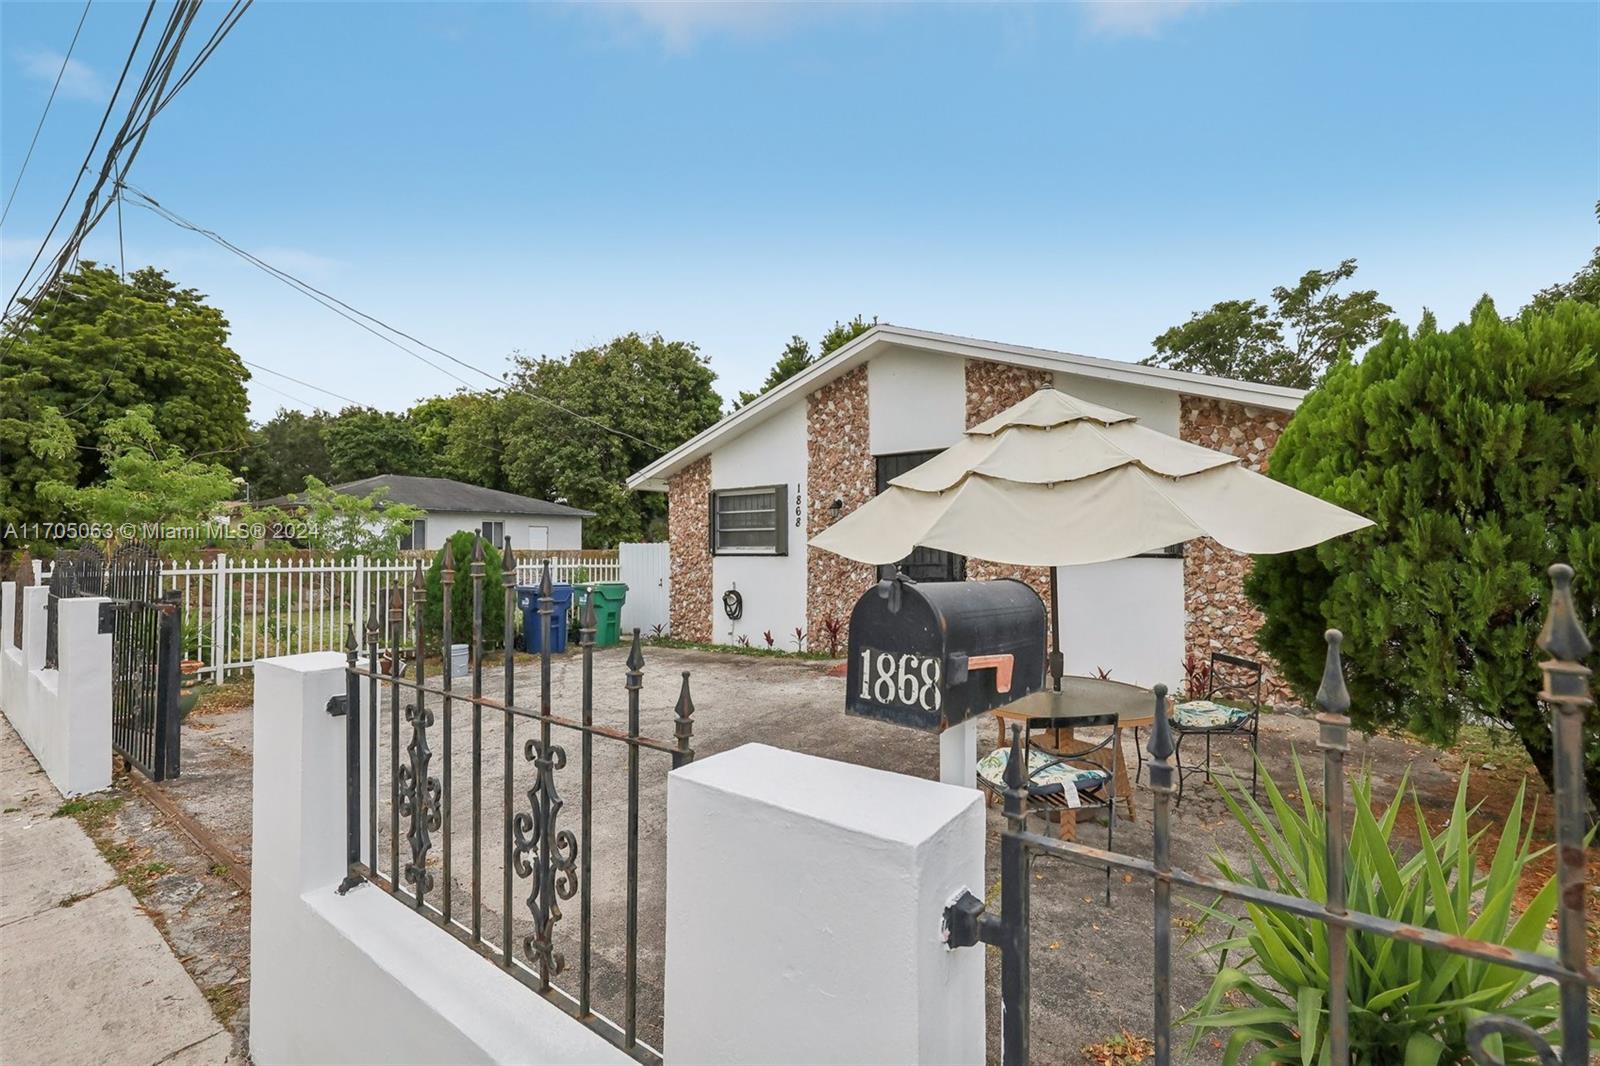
307	384
289	396
46	113
352	314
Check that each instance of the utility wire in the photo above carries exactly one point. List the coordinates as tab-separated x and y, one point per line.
346	311
46	113
307	384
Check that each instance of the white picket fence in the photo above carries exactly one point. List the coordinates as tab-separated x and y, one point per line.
236	611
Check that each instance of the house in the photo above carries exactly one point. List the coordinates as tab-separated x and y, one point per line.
455	505
746	495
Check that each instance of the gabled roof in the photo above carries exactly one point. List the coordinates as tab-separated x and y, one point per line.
884	336
444	494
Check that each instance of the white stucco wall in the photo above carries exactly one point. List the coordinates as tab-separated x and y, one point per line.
1155	408
805	900
1125	616
564	532
773	586
917	401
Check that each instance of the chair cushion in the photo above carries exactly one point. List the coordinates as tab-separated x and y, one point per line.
1204	714
1043	769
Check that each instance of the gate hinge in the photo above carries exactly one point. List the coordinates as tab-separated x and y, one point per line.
107	619
336	706
966	922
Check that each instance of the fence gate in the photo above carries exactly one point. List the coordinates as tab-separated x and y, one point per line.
145	649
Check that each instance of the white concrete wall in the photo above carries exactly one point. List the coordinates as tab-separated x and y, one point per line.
805	900
564	532
1154	408
1125	616
63	715
773	586
360	978
917	401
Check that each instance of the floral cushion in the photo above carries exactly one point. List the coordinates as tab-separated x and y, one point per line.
1043	769
1204	714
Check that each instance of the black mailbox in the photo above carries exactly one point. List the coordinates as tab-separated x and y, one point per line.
930	656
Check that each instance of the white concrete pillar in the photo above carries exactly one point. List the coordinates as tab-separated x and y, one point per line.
83	690
804	908
958	754
8	607
34	619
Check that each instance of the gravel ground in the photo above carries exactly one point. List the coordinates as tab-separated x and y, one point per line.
1092	963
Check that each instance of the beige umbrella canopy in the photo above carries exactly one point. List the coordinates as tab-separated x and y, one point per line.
1057	481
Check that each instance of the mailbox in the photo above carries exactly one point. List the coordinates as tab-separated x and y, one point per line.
930	656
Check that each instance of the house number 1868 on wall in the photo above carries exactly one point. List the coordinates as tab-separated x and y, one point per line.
909	680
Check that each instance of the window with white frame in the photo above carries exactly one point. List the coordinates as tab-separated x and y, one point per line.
749	521
494	533
417	538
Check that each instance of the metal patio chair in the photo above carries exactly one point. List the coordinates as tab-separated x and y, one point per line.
1231	708
1088	768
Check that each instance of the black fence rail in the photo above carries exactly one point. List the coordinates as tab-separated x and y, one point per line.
146	649
1566	690
543	861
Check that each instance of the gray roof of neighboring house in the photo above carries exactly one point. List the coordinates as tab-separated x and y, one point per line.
443	494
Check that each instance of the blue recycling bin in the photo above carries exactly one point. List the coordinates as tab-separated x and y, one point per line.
528	601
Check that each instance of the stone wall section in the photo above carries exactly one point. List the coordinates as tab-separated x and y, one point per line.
688	493
839	466
1219	616
991	388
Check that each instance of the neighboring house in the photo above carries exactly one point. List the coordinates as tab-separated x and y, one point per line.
455	505
745	496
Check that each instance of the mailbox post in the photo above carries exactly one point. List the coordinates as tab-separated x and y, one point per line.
936	657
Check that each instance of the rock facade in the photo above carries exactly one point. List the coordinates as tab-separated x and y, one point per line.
1219	616
839	466
991	388
687	494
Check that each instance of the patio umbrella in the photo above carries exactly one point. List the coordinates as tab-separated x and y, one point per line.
1057	481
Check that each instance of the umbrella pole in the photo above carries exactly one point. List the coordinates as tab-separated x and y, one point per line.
1056	658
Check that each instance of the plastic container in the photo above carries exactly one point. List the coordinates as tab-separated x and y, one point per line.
609	597
528	601
459	661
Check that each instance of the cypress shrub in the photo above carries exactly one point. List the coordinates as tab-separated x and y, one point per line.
1476	451
461	546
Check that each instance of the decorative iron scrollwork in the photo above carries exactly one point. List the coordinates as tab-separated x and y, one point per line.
421	799
1479	1031
554	868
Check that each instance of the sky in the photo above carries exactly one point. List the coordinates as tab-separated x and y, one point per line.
538	178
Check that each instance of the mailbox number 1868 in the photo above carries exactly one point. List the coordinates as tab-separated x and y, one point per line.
911	680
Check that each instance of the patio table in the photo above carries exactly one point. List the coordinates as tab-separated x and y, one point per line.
1080	698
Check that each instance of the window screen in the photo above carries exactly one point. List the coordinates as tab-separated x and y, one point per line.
495	533
923	564
748	521
417	538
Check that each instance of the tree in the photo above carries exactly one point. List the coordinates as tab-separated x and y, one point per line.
797	355
1584	286
1477	454
286	450
39	448
461	545
341	523
98	346
575	428
460	436
151	491
364	443
1292	343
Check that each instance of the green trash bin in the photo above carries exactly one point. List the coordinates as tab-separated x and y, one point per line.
608	599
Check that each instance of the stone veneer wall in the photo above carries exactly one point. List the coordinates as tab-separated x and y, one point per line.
1220	616
991	388
839	466
687	493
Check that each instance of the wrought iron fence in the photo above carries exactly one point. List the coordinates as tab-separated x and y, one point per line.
146	646
1566	689
76	572
526	836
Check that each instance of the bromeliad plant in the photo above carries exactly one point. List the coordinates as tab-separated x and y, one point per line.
1408	1004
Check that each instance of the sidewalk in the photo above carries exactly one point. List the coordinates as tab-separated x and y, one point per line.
85	976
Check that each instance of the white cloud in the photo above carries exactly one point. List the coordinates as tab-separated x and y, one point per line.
78	80
680	24
1134	18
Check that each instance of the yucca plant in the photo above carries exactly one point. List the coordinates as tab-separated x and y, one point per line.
1408	1004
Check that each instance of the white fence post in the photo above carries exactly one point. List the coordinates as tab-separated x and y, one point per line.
805	900
219	618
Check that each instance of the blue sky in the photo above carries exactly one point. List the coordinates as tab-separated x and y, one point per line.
503	177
